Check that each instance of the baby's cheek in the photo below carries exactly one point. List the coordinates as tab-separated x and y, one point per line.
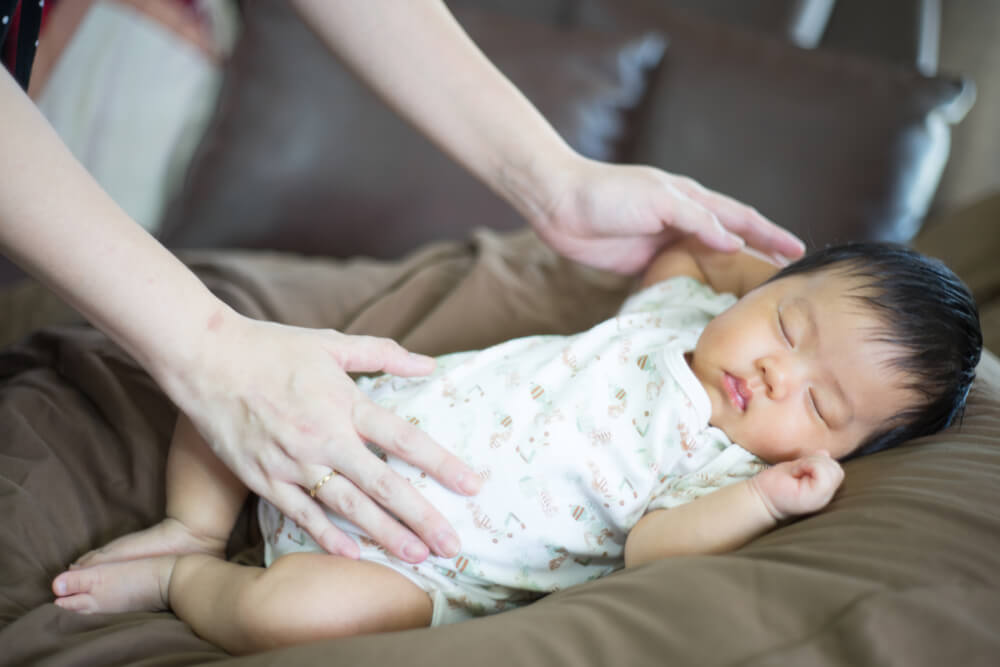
778	438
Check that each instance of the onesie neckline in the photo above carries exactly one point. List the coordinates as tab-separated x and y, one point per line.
689	383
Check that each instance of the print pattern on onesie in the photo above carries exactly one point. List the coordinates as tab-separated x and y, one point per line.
577	437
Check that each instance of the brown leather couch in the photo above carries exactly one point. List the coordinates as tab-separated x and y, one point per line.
845	141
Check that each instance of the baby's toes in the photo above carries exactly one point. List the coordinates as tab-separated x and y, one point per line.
72	582
73	590
82	604
83	560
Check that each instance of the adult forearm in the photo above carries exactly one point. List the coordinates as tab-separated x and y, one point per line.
420	61
57	223
716	523
274	402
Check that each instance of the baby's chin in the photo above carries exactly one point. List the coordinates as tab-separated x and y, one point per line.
734	437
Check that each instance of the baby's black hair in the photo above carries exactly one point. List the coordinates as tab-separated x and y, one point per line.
928	312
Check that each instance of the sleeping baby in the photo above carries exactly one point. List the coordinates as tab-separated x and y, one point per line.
715	404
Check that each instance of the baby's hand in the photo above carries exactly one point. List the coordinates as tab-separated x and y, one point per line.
800	486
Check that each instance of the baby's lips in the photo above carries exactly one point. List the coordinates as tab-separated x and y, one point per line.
745	391
739	390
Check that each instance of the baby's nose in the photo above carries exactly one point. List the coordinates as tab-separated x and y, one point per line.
781	376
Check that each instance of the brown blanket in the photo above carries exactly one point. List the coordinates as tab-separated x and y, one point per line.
901	569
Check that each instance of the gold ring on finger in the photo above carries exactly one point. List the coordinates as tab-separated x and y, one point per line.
326	478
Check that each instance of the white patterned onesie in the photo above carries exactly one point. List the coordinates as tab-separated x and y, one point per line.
576	437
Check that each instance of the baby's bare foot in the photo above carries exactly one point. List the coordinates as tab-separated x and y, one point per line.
170	536
133	585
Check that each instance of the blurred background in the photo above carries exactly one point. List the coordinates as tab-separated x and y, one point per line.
219	123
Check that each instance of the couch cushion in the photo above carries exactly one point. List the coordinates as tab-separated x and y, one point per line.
302	157
831	146
802	22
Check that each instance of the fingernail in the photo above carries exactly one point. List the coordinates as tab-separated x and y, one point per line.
421	359
415	551
447	544
470	483
61	587
738	241
348	550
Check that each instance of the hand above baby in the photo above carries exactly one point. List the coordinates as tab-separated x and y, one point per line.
798	487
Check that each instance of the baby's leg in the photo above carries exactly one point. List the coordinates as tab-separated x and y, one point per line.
203	501
301	597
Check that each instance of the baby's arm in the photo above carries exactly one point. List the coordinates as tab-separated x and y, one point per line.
732	272
732	516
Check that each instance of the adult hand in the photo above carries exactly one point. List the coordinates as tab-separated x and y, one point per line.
609	216
275	403
618	216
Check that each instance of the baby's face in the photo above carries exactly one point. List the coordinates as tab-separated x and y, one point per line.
792	369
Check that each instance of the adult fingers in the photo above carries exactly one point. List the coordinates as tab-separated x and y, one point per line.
412	444
296	504
409	443
686	214
344	497
747	222
371	354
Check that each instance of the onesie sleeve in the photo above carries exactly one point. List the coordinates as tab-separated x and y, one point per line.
734	464
682	291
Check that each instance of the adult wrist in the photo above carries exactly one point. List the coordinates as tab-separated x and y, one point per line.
535	185
187	353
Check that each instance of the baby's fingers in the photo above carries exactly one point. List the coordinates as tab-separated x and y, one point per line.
828	468
822	477
816	465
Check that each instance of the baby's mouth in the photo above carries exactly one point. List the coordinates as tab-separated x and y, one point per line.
737	390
